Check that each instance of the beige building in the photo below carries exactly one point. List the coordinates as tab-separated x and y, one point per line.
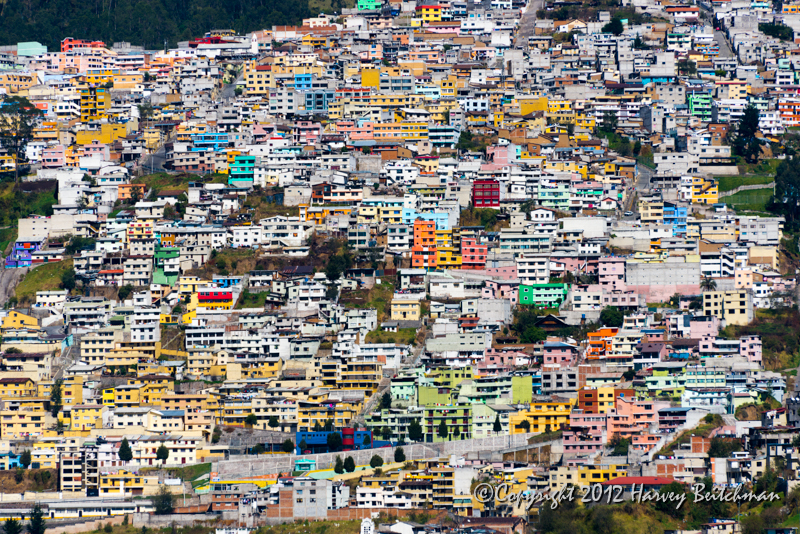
733	307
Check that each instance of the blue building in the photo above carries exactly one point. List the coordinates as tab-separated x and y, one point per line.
227	281
209	141
317	442
318	99
676	216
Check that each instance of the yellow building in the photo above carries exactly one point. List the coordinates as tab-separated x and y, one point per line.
126	483
651	212
309	414
128	396
87	416
405	310
17	387
109	395
71	390
107	134
448	258
95	102
15	319
704	190
430	13
566	166
584	475
733	307
541	416
16	424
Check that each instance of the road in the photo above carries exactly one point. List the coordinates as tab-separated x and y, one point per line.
724	47
526	24
155	161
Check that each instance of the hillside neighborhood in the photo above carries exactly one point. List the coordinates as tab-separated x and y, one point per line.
363	269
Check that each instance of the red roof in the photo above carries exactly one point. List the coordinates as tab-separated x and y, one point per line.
648	481
112	271
428	7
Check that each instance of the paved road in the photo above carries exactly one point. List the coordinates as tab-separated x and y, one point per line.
526	24
724	48
155	161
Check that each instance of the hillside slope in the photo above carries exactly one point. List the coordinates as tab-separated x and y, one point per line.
146	23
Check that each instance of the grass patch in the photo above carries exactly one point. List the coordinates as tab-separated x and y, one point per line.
709	423
729	183
41	278
261	208
767	167
252	300
161	181
190	472
545	436
755	200
7	235
15	205
404	336
379	297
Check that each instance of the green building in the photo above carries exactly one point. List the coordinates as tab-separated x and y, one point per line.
369	5
543	295
457	420
242	171
700	105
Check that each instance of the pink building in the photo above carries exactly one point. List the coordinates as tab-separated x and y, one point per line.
473	254
586	433
501	289
307	132
53	157
354	131
631	417
559	353
506	273
611	273
750	348
503	360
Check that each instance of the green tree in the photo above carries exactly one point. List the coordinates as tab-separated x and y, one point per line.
609	121
611	316
708	284
525	425
786	199
533	334
334	441
338	468
125	291
37	523
375	461
367	441
615	27
399	455
457	431
443	431
415	431
303	446
163	501
723	447
125	453
55	397
251	420
497	427
386	401
743	137
25	458
667	505
162	453
687	67
273	422
18	118
12	526
68	279
288	446
349	464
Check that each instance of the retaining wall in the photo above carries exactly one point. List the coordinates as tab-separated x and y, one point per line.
85	526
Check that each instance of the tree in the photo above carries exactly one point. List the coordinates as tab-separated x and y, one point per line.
786	199
375	461
609	121
687	67
163	501
367	441
18	118
667	505
611	316
443	431
386	401
37	523
497	427
288	446
457	431
615	27
349	464
387	433
399	455
125	453
533	334
251	420
125	291
743	137
334	441
303	446
415	431
525	425
68	279
339	467
12	526
708	284
162	453
55	397
273	422
25	458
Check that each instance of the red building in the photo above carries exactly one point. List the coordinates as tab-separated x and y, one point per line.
69	43
473	255
486	194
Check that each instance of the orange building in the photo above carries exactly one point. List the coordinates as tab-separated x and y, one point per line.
789	109
630	417
125	191
599	343
423	253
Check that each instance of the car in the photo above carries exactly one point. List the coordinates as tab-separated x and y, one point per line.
628	213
